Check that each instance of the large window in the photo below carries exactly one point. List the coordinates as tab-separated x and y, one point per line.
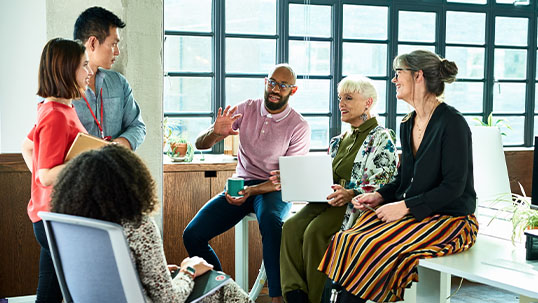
217	53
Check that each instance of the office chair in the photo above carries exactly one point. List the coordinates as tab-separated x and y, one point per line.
92	260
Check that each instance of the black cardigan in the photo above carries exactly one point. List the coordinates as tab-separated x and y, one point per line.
439	179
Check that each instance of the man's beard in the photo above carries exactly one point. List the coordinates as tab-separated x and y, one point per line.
275	106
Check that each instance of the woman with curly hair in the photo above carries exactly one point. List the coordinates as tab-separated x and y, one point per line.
427	210
116	186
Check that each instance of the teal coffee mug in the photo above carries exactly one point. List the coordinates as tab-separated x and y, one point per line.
234	185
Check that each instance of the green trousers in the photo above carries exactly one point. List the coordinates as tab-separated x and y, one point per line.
305	237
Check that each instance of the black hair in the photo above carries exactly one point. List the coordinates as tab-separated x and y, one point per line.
95	21
111	184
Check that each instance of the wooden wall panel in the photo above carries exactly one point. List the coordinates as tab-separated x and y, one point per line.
182	196
19	255
519	164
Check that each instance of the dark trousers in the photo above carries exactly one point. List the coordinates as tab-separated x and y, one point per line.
218	216
48	288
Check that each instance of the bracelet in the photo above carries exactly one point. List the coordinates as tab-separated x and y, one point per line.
191	271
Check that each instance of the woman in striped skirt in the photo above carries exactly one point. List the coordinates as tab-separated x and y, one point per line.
427	211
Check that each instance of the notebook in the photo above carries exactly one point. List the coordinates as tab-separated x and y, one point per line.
82	143
306	178
207	284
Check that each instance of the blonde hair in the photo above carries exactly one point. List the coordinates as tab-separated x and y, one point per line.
358	84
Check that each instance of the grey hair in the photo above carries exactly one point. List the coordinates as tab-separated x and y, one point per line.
359	84
436	71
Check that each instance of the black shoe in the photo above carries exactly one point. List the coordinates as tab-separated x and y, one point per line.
346	297
296	296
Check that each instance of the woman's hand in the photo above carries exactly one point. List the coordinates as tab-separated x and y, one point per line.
172	267
200	265
340	197
367	201
275	178
392	211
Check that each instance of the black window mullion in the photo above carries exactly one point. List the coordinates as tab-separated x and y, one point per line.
392	51
531	80
282	42
335	126
487	102
219	59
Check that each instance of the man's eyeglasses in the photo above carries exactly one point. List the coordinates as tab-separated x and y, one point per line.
272	83
401	69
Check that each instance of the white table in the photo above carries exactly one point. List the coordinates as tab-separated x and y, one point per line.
491	261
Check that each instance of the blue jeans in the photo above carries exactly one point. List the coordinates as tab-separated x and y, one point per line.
218	216
48	288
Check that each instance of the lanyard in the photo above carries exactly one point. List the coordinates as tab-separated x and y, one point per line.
100	125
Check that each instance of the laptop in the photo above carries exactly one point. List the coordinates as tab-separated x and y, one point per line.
306	178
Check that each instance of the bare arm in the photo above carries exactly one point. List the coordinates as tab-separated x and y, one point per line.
28	152
221	129
47	176
208	139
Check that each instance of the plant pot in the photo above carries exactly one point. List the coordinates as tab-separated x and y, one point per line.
179	149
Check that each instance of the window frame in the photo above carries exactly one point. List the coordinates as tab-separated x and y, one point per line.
440	7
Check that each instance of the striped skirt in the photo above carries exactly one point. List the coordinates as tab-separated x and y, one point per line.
377	261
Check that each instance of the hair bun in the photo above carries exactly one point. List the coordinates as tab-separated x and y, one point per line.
448	71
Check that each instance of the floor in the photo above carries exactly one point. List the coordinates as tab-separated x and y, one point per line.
468	293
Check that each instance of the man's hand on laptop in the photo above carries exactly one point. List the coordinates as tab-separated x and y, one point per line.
340	197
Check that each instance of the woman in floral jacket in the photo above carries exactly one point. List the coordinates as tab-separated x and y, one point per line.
364	159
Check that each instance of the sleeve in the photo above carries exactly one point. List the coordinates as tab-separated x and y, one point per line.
53	139
300	140
133	127
381	162
240	110
146	245
30	135
455	156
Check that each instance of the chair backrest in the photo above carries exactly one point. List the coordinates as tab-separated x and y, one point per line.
92	260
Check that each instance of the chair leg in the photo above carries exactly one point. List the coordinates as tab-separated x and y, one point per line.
258	285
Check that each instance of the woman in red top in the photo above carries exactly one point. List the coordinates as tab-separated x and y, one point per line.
63	73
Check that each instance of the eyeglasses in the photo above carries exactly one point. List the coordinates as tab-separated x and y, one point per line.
396	75
272	83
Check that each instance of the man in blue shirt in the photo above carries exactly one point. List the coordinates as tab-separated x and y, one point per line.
108	109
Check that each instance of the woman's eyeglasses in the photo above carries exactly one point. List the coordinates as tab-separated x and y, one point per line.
396	75
272	83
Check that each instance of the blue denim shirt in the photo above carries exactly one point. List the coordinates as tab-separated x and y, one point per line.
121	113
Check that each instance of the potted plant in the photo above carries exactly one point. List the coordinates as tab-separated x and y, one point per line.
520	214
178	146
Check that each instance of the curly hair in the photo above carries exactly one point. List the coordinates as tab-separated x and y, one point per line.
111	184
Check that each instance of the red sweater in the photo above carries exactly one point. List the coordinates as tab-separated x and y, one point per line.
56	129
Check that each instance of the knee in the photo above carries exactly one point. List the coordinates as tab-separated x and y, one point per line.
191	236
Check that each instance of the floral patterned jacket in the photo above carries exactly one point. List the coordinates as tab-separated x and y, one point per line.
375	164
147	250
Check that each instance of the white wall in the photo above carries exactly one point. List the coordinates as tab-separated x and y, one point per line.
22	32
26	25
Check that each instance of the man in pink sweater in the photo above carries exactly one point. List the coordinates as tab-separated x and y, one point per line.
269	128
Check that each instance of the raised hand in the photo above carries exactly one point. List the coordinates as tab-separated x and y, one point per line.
225	119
